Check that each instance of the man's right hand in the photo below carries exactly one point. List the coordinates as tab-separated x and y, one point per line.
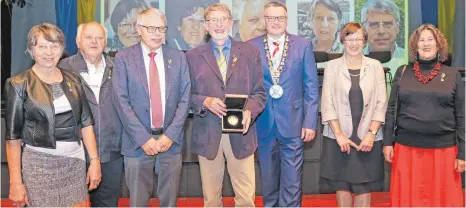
150	147
216	106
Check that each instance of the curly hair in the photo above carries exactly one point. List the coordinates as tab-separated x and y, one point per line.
440	39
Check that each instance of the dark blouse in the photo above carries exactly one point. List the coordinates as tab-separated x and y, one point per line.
429	115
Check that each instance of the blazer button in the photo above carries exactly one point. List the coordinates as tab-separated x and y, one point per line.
366	105
147	110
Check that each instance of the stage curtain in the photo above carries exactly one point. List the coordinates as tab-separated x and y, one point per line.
459	36
66	11
86	9
429	10
446	17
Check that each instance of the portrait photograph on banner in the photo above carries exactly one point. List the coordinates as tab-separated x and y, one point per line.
384	21
248	19
186	23
321	21
120	18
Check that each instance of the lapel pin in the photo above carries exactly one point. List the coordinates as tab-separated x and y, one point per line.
442	78
69	86
169	62
234	60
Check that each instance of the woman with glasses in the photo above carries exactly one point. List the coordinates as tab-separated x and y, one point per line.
48	128
123	21
353	108
325	18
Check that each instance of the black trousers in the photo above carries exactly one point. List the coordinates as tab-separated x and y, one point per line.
109	190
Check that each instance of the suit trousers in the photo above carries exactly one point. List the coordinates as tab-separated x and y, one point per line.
140	178
241	172
281	168
109	190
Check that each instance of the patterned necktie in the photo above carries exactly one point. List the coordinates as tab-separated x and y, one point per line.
222	63
275	51
155	95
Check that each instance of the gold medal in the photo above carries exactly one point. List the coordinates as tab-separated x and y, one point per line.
233	120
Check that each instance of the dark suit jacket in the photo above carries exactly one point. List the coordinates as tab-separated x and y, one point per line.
298	106
244	76
107	128
131	96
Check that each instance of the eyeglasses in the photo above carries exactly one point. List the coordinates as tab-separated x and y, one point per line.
355	40
126	25
328	19
152	29
273	18
222	20
385	24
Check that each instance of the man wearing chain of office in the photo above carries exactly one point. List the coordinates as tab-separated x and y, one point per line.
290	115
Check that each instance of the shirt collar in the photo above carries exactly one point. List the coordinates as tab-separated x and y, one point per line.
226	45
146	51
281	39
101	65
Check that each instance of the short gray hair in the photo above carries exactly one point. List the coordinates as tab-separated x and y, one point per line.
49	32
385	6
81	27
150	13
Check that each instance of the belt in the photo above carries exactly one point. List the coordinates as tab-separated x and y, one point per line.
156	131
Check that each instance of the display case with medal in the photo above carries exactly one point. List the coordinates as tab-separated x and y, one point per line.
232	122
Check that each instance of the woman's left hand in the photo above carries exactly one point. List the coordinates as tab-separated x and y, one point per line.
459	165
93	175
367	143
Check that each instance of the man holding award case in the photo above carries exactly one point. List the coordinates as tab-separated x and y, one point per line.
227	94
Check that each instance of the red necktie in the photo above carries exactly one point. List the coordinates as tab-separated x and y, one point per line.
155	95
276	48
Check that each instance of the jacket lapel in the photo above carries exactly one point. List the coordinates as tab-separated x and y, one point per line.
209	57
81	66
108	69
235	54
140	66
167	59
289	55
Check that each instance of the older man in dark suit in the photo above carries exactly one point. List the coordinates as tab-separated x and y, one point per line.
224	66
95	68
152	87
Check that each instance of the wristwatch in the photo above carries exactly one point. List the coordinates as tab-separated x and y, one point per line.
374	132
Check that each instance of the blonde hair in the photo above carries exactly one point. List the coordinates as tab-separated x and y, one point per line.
49	32
217	7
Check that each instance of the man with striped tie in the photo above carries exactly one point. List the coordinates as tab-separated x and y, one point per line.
224	66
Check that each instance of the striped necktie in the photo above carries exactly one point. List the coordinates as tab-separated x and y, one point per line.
222	63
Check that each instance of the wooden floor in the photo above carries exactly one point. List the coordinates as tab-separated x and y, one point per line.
315	200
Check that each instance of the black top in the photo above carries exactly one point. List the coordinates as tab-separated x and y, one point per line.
429	115
356	103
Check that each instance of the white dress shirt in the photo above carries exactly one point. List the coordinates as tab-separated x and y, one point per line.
94	76
278	57
161	70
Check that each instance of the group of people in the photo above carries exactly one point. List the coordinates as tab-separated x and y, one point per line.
87	118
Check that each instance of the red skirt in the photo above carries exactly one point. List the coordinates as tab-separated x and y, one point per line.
425	177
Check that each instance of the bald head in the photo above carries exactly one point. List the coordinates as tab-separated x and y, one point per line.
91	39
